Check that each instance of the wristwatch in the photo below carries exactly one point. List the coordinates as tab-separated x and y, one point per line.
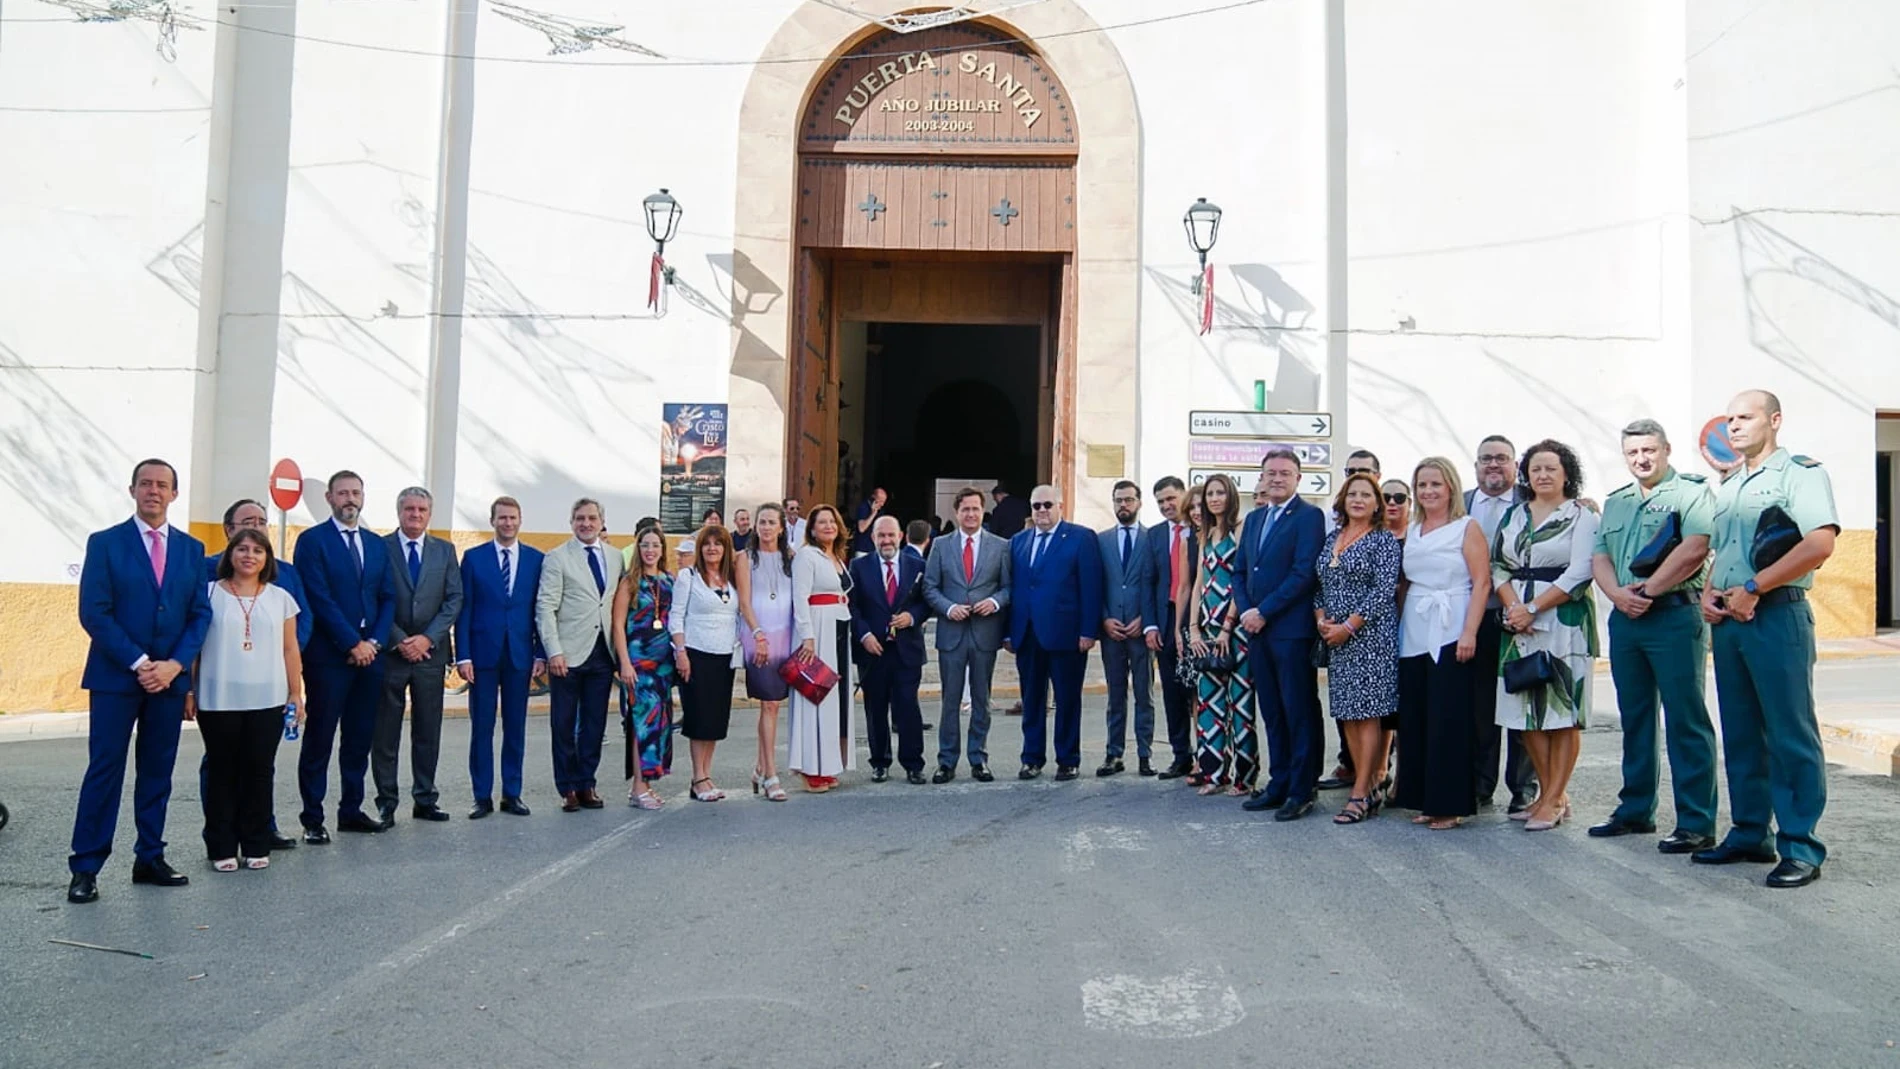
375	645
1753	590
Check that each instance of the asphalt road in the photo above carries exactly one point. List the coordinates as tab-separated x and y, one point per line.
1103	922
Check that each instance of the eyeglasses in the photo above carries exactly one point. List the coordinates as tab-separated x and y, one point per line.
1040	506
1128	501
1396	499
1360	471
1494	458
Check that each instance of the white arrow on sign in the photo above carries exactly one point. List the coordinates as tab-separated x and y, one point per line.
1312	483
1316	482
1261	424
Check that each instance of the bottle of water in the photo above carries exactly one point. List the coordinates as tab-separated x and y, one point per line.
290	722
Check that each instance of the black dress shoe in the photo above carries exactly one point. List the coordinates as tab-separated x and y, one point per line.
944	774
482	809
879	775
1294	810
1177	770
428	812
1065	773
282	842
982	773
513	807
916	778
1726	854
1792	873
1616	826
315	835
1519	804
1111	766
385	818
84	888
1262	801
1146	768
1333	783
1027	772
1684	842
360	823
158	874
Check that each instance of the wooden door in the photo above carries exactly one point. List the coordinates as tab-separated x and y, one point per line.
812	459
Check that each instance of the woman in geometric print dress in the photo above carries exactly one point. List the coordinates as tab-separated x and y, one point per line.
645	649
1356	607
1227	748
1540	561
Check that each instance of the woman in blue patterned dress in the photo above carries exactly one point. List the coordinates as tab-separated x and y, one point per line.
641	603
1357	609
1227	749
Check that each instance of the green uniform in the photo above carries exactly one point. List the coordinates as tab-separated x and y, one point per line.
1661	654
1764	669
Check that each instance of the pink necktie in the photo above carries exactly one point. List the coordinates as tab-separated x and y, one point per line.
890	582
158	555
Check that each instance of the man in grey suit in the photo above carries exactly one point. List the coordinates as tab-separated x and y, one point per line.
1126	575
966	581
428	583
573	609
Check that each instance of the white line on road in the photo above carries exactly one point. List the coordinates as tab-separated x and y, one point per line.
1181	1006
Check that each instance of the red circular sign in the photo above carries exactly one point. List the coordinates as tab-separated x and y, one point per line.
286	484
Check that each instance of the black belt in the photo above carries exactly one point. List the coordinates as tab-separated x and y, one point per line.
1538	575
1674	598
1781	595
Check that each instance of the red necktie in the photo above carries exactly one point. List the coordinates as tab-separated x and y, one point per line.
1174	562
969	559
158	555
890	581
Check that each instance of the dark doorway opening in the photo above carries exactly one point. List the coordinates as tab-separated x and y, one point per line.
940	401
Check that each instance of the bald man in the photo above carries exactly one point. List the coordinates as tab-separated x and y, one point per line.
888	611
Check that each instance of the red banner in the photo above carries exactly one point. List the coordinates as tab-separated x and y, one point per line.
653	282
1207	298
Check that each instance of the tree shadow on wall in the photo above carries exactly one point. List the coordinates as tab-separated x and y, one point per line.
753	293
1766	255
54	459
1267	308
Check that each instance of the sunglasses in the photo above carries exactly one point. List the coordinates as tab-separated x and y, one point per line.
1042	505
1359	471
1396	499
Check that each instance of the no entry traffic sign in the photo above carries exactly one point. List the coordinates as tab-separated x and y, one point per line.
286	484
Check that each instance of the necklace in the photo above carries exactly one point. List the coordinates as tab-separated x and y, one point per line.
244	608
771	569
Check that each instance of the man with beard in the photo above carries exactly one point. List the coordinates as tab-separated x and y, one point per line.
1496	491
1125	655
887	617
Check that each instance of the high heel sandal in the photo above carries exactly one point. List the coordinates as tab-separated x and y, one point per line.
225	864
815	784
1209	787
648	800
712	795
1354	813
769	785
255	863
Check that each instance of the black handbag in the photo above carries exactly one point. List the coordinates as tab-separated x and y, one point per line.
1213	660
1534	670
1322	653
1666	541
1775	534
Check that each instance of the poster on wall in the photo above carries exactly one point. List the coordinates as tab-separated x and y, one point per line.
692	464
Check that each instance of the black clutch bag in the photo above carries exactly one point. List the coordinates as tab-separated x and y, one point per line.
1775	534
1322	653
1645	563
1529	672
1213	661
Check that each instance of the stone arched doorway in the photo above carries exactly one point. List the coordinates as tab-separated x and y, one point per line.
939	178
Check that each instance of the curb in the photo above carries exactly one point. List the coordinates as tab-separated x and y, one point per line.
1863	748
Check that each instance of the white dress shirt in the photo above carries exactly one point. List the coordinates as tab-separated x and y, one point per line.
1489	510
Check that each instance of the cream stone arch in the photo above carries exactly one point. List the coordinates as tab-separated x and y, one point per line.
1108	238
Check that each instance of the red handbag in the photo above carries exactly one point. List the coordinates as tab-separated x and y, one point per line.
813	679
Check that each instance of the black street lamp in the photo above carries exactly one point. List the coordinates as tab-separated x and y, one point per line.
1202	223
663	221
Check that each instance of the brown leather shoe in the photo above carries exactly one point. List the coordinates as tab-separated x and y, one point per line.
590	799
570	802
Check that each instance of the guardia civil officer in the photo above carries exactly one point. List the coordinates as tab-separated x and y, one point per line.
1775	525
1649	555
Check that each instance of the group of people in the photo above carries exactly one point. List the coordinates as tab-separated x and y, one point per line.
1454	625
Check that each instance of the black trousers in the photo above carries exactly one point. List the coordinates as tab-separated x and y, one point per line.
1177	701
890	696
240	753
1435	776
1520	776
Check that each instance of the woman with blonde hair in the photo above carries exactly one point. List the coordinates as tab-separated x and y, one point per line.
820	745
1446	578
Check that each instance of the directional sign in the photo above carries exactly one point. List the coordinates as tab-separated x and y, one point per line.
1261	424
286	484
1312	483
1229	452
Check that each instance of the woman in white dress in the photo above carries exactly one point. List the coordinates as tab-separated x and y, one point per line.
249	670
1540	561
821	733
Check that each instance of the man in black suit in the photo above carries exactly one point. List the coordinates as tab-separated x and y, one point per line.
887	616
1162	618
1010	514
1495	492
428	583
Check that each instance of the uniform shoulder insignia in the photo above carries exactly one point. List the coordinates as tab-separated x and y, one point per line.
1624	489
1806	462
1693	477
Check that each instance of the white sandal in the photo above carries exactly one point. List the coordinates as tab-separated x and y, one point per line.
225	864
255	863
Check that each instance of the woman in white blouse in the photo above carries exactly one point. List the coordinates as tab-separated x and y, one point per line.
820	745
1446	580
704	624
249	670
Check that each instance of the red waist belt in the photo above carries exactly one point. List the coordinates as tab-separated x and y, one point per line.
826	599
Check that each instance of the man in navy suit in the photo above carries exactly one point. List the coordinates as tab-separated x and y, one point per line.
142	603
1125	654
500	653
244	514
1279	548
1162	619
1055	614
888	611
346	577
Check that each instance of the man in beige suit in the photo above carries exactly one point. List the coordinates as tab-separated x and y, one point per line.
574	613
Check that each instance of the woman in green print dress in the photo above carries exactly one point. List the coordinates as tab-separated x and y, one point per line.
1227	747
1540	561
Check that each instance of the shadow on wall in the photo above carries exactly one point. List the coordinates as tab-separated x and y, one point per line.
1266	306
54	459
1767	254
752	293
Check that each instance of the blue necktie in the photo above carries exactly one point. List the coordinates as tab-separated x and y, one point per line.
1035	555
593	562
507	575
415	565
356	555
1273	516
1128	546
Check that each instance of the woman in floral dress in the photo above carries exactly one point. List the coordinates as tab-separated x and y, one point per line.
1356	607
1227	749
1540	561
645	650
